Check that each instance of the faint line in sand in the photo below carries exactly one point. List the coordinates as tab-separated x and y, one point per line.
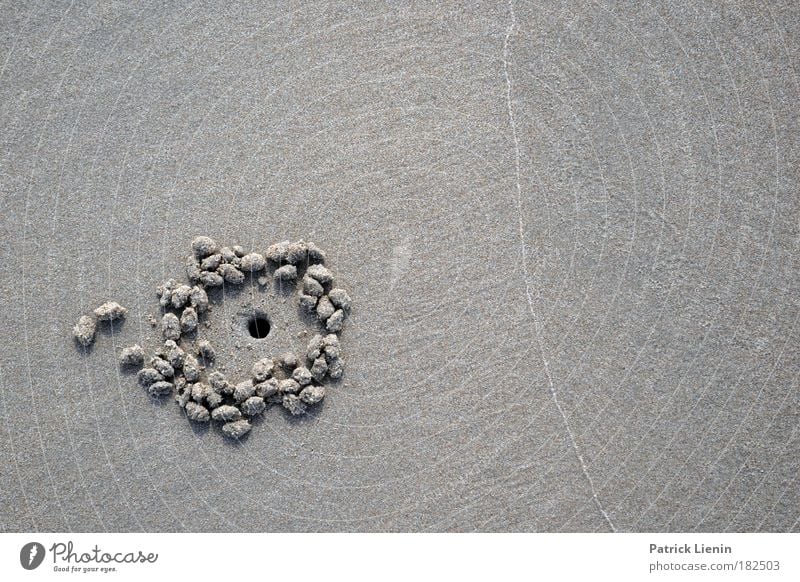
534	315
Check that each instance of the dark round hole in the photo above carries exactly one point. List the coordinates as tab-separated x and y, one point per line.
258	326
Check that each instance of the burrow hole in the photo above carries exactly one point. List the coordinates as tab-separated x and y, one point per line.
258	326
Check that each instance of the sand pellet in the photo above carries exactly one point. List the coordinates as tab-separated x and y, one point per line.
231	274
288	361
312	287
200	391
297	253
213	400
236	430
253	406
315	347
253	262
188	320
267	388
206	351
288	386
162	367
243	391
335	321
308	302
211	262
315	254
227	254
320	273
203	246
173	354
293	404
147	376
324	308
335	368
85	330
339	298
110	311
278	252
332	352
312	394
197	412
191	368
286	273
302	375
180	296
192	270
211	279
220	384
164	292
160	388
319	369
132	356
171	327
226	413
263	369
199	299
183	397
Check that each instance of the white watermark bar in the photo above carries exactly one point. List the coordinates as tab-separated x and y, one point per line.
375	557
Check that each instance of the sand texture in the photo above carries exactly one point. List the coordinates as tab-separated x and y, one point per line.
569	231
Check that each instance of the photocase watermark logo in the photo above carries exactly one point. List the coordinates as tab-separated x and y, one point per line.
31	555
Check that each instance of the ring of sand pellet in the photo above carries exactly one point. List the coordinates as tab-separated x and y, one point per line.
186	368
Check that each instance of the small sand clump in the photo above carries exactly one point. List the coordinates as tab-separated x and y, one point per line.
294	405
203	246
243	391
315	254
199	299
171	327
302	375
188	320
253	262
132	356
85	330
160	388
335	321
339	298
197	412
288	361
226	413
267	388
325	308
110	311
253	406
263	369
211	279
231	274
319	369
312	394
162	366
286	273
288	386
312	287
278	252
297	253
191	368
206	351
236	430
180	296
320	273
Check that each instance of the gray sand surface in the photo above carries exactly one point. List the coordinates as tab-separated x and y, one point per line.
569	231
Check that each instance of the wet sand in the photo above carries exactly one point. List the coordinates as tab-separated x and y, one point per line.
570	234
